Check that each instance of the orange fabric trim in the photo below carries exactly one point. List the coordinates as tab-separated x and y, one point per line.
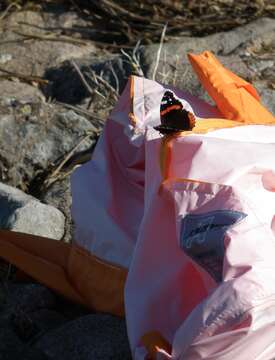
242	83
41	258
101	284
183	180
165	183
132	118
153	341
67	269
165	155
202	126
21	276
132	86
57	251
235	98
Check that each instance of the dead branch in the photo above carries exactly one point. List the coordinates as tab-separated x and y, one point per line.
82	112
159	51
10	6
56	173
27	78
52	37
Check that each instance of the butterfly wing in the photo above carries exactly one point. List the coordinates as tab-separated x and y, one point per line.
173	116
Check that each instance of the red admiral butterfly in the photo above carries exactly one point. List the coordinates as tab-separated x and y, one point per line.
173	116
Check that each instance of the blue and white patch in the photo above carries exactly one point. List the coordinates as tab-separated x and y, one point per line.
202	238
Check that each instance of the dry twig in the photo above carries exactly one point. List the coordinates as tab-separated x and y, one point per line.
83	112
133	59
27	78
103	86
159	51
90	90
56	174
52	37
10	6
133	20
87	86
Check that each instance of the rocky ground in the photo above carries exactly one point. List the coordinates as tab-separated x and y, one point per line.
55	94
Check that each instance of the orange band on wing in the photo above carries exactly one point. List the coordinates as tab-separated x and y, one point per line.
172	107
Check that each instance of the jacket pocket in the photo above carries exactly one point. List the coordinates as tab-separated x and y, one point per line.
205	214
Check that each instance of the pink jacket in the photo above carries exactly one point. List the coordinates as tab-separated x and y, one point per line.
192	219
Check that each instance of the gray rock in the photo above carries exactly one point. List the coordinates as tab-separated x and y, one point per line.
223	43
46	320
12	348
4	58
16	326
267	95
96	337
66	86
263	65
24	213
59	196
15	92
30	297
174	68
35	137
35	56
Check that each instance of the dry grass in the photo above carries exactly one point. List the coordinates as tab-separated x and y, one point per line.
129	21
